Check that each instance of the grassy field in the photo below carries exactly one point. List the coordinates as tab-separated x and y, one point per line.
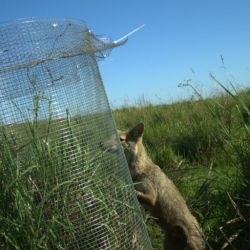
60	190
204	147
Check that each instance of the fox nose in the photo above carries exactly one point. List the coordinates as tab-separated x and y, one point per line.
108	146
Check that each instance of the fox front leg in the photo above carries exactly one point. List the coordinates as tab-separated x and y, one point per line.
146	193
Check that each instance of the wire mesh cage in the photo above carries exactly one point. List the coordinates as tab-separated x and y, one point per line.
59	188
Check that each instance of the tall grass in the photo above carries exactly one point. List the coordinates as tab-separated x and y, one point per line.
204	146
58	192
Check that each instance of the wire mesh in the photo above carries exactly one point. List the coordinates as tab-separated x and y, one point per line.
61	190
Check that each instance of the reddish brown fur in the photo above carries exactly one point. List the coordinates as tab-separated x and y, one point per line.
160	195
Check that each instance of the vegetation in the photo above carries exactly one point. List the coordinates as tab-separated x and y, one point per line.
60	190
204	147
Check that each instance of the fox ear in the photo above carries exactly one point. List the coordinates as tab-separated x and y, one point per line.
137	131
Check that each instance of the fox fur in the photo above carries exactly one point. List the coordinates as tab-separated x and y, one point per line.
159	194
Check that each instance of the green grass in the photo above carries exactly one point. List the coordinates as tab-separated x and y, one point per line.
204	146
60	190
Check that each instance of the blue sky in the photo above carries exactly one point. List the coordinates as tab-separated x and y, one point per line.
182	40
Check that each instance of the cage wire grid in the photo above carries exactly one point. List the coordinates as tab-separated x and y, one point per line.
54	115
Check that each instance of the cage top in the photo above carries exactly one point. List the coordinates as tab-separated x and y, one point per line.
30	41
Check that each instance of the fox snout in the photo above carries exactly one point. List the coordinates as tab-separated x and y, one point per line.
110	145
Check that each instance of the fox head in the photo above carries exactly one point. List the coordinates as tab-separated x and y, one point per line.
131	142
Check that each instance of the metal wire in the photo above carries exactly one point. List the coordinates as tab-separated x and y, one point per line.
55	114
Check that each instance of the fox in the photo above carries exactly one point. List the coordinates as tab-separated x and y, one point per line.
159	195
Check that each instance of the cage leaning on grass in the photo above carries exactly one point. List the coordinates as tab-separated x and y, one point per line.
59	188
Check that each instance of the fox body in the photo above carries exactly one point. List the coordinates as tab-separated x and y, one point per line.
159	194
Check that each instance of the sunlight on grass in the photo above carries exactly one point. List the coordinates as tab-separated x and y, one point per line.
204	146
